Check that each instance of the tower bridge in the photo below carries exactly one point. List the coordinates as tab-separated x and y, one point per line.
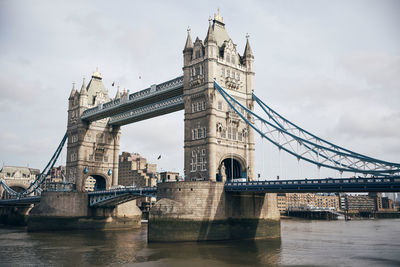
217	94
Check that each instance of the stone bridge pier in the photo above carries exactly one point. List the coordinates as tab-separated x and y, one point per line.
70	211
200	211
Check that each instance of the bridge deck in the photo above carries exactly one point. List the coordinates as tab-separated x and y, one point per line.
383	184
114	197
23	201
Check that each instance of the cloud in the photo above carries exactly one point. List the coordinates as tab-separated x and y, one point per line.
379	69
16	91
329	71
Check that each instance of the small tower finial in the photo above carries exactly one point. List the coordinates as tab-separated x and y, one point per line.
247	50
189	44
97	74
73	91
83	88
218	17
210	34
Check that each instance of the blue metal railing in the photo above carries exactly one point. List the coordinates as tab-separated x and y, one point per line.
377	184
117	196
164	87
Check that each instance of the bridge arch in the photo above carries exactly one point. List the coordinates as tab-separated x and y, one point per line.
231	166
95	182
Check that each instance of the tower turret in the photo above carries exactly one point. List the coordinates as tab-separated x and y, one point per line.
93	147
211	48
248	57
72	94
71	97
83	95
118	94
188	49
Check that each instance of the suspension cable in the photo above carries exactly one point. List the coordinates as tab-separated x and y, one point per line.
35	185
386	169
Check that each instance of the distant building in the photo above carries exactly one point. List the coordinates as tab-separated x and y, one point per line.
133	170
383	203
57	174
90	184
363	203
170	177
56	180
307	201
282	203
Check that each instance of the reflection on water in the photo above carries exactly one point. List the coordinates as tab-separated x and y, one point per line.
318	243
240	253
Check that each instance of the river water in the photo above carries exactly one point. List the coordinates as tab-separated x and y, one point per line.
303	243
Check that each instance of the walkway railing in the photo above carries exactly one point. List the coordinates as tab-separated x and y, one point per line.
103	110
145	112
118	196
378	184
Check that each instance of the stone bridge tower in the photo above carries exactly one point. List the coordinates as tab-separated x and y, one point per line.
92	148
218	146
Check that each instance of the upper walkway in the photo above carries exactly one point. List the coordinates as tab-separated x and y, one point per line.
154	101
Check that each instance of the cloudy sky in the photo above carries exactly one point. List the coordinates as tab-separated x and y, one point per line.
332	67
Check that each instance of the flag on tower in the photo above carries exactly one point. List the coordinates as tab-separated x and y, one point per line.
159	157
113	84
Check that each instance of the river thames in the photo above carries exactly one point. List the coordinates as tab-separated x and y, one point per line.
303	243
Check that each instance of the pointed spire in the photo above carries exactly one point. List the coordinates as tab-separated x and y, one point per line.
73	91
189	44
83	88
247	49
118	94
210	34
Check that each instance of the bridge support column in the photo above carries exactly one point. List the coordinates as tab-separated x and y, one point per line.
70	210
200	211
116	135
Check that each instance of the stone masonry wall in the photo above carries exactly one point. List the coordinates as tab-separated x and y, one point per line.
207	200
199	211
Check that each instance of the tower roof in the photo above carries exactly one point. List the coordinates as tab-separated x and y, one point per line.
83	88
118	94
210	33
189	44
73	91
96	86
220	33
97	74
247	49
